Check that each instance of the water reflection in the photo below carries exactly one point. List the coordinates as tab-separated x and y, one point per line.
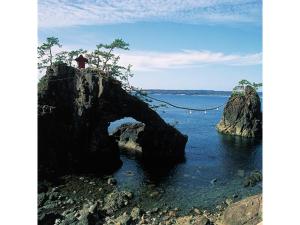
239	153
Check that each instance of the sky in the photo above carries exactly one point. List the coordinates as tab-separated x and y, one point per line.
174	44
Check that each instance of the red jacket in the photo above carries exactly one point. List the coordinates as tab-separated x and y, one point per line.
81	61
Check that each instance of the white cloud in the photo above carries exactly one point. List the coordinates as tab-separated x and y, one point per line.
61	13
144	61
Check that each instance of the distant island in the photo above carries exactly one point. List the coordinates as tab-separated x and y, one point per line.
191	92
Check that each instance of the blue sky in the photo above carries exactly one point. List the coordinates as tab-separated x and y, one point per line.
192	44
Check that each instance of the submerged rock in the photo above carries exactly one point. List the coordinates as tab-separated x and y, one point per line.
242	115
253	179
73	135
116	200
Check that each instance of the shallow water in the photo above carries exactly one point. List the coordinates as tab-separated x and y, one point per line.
209	155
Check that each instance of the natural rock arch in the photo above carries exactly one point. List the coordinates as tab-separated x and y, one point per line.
75	135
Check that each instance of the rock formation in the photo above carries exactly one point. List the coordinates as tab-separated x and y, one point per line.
247	211
242	115
75	110
128	137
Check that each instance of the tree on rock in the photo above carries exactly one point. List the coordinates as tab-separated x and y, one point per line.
61	57
240	88
45	54
74	54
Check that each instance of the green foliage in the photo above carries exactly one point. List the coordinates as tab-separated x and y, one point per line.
72	55
61	57
45	55
240	88
102	60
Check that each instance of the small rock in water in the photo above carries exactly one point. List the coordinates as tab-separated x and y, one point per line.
129	173
154	194
135	213
235	196
228	201
213	181
154	210
197	211
172	213
253	179
112	181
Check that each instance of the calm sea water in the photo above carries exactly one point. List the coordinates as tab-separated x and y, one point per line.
209	155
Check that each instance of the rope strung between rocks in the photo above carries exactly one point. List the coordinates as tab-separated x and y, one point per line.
186	108
168	103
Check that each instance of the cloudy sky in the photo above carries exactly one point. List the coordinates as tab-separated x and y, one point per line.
174	44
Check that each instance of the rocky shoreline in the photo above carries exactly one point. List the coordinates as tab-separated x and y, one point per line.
75	110
89	200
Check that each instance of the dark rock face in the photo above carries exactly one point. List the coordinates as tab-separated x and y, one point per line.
242	115
73	136
137	139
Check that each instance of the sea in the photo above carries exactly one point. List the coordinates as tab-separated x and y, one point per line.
215	164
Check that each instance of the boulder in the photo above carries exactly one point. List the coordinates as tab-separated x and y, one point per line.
253	179
75	110
116	200
136	139
190	220
128	137
247	212
242	115
135	213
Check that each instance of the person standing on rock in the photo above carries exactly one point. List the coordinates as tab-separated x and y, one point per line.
81	61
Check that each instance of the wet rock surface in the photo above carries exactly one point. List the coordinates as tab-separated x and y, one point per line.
127	136
242	115
254	178
89	200
73	136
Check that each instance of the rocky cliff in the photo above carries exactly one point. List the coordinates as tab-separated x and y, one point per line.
242	115
75	110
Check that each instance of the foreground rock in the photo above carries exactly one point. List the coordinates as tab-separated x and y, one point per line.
90	200
73	133
242	115
244	212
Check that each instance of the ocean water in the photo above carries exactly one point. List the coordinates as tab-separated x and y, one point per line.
208	156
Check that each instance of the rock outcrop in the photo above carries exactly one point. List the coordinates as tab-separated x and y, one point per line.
128	137
242	115
247	212
75	110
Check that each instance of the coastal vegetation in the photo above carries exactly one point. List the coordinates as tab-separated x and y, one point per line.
240	88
